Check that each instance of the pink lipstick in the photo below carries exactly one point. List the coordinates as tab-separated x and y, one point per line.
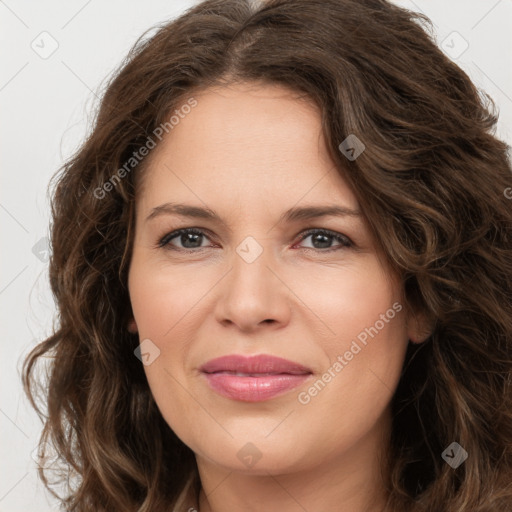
253	378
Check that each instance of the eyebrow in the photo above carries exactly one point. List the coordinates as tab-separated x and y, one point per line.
291	215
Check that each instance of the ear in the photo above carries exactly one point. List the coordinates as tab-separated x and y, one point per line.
419	328
132	326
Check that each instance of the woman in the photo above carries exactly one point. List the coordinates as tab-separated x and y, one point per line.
282	263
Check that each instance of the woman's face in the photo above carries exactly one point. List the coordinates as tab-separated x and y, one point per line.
247	168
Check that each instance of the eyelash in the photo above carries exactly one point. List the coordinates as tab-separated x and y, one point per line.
342	239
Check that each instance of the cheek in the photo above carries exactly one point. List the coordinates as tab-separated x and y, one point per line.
365	333
162	297
163	306
351	396
168	305
160	303
346	300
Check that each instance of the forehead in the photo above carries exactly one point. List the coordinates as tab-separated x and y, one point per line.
248	144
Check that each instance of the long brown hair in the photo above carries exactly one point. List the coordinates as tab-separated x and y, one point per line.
432	182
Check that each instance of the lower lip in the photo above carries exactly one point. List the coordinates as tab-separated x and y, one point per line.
253	389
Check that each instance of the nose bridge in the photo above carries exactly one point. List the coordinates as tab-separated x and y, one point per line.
251	294
251	261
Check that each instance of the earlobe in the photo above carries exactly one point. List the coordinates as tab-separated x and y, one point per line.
132	326
419	329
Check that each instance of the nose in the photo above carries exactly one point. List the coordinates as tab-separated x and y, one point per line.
252	295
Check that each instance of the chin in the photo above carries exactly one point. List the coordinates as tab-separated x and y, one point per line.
258	457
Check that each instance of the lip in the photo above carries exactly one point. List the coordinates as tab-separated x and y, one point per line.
253	378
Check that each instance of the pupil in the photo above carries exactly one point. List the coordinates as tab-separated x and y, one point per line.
190	237
324	243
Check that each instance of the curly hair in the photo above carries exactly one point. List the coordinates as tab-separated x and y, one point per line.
432	183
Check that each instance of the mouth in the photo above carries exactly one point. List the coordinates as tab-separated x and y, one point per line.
249	366
253	378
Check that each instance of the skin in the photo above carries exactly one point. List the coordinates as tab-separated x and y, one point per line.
250	152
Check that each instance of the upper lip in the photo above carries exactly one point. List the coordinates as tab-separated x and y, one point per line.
263	363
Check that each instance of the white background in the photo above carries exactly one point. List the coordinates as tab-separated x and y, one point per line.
45	108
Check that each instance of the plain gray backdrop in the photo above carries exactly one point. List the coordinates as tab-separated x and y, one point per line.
55	56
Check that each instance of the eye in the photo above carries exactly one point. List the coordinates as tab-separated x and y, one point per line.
190	238
323	238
